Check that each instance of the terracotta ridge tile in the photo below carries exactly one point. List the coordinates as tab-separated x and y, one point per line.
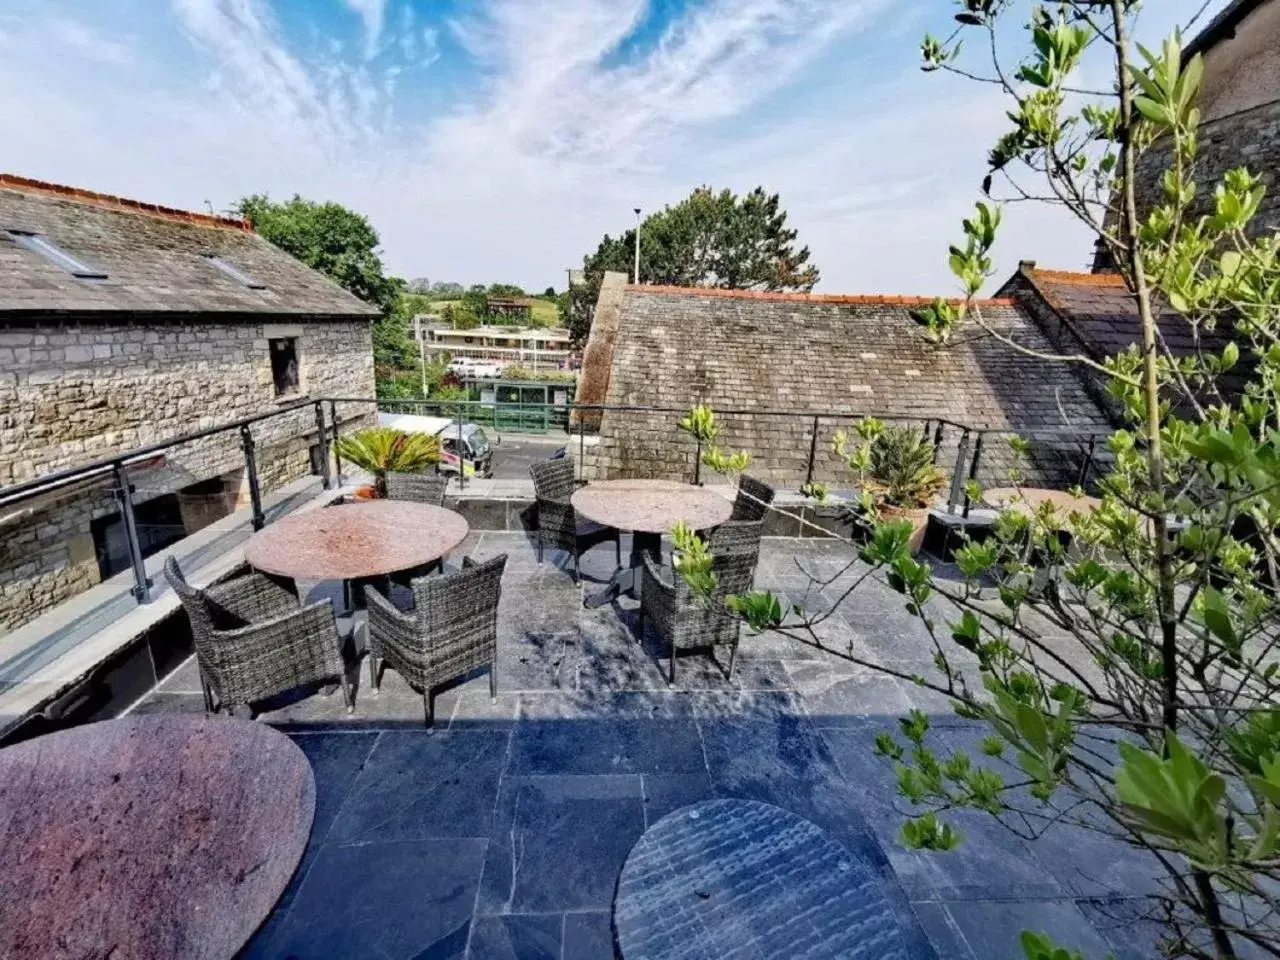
1082	279
885	299
26	184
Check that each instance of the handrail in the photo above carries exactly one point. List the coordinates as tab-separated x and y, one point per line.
70	474
117	465
52	481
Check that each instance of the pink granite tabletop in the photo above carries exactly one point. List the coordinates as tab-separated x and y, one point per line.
1029	500
353	540
148	837
651	506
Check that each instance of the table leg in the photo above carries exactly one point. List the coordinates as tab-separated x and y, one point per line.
626	582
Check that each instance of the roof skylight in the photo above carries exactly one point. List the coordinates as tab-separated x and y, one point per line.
234	272
38	243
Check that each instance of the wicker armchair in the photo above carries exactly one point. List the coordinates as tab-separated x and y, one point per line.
420	487
689	622
753	499
253	640
558	523
451	630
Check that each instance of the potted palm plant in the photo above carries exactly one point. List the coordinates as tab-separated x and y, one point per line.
383	450
896	474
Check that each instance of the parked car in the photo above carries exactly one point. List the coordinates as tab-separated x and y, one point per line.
461	366
485	369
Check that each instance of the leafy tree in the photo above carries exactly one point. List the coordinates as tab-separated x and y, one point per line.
549	293
709	239
343	245
505	290
1129	680
328	237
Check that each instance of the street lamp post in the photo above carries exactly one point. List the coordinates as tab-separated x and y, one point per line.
422	353
636	272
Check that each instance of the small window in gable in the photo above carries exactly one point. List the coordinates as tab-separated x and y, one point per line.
40	244
234	272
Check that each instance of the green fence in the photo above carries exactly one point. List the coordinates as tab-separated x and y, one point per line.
502	417
521	406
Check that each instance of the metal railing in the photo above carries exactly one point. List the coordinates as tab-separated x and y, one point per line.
118	468
971	443
970	446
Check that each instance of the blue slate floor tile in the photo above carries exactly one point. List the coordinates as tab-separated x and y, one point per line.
516	937
1129	925
664	794
559	843
587	936
336	760
415	786
991	863
774	758
409	899
992	928
605	745
944	936
1088	864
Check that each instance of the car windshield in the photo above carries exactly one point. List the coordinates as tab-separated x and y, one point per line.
478	443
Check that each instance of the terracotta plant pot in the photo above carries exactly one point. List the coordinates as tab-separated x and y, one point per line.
367	492
919	517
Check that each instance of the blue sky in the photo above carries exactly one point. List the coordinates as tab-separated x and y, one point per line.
497	140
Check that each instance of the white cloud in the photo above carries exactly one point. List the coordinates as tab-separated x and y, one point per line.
372	12
83	41
568	126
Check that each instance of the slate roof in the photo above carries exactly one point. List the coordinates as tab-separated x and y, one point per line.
768	362
1100	312
857	354
154	258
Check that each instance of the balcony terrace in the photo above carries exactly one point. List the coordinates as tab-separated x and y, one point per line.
502	833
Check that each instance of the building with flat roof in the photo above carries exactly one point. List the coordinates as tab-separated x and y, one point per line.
529	346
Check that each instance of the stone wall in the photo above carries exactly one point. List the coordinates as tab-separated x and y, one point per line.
597	358
755	358
1248	139
78	390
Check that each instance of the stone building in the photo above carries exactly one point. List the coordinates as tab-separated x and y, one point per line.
124	323
1239	111
770	356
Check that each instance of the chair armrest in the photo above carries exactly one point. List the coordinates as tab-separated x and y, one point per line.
389	626
257	662
253	598
653	576
374	600
315	620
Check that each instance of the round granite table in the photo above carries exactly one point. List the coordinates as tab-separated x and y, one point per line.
648	508
356	541
1029	500
148	837
747	879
